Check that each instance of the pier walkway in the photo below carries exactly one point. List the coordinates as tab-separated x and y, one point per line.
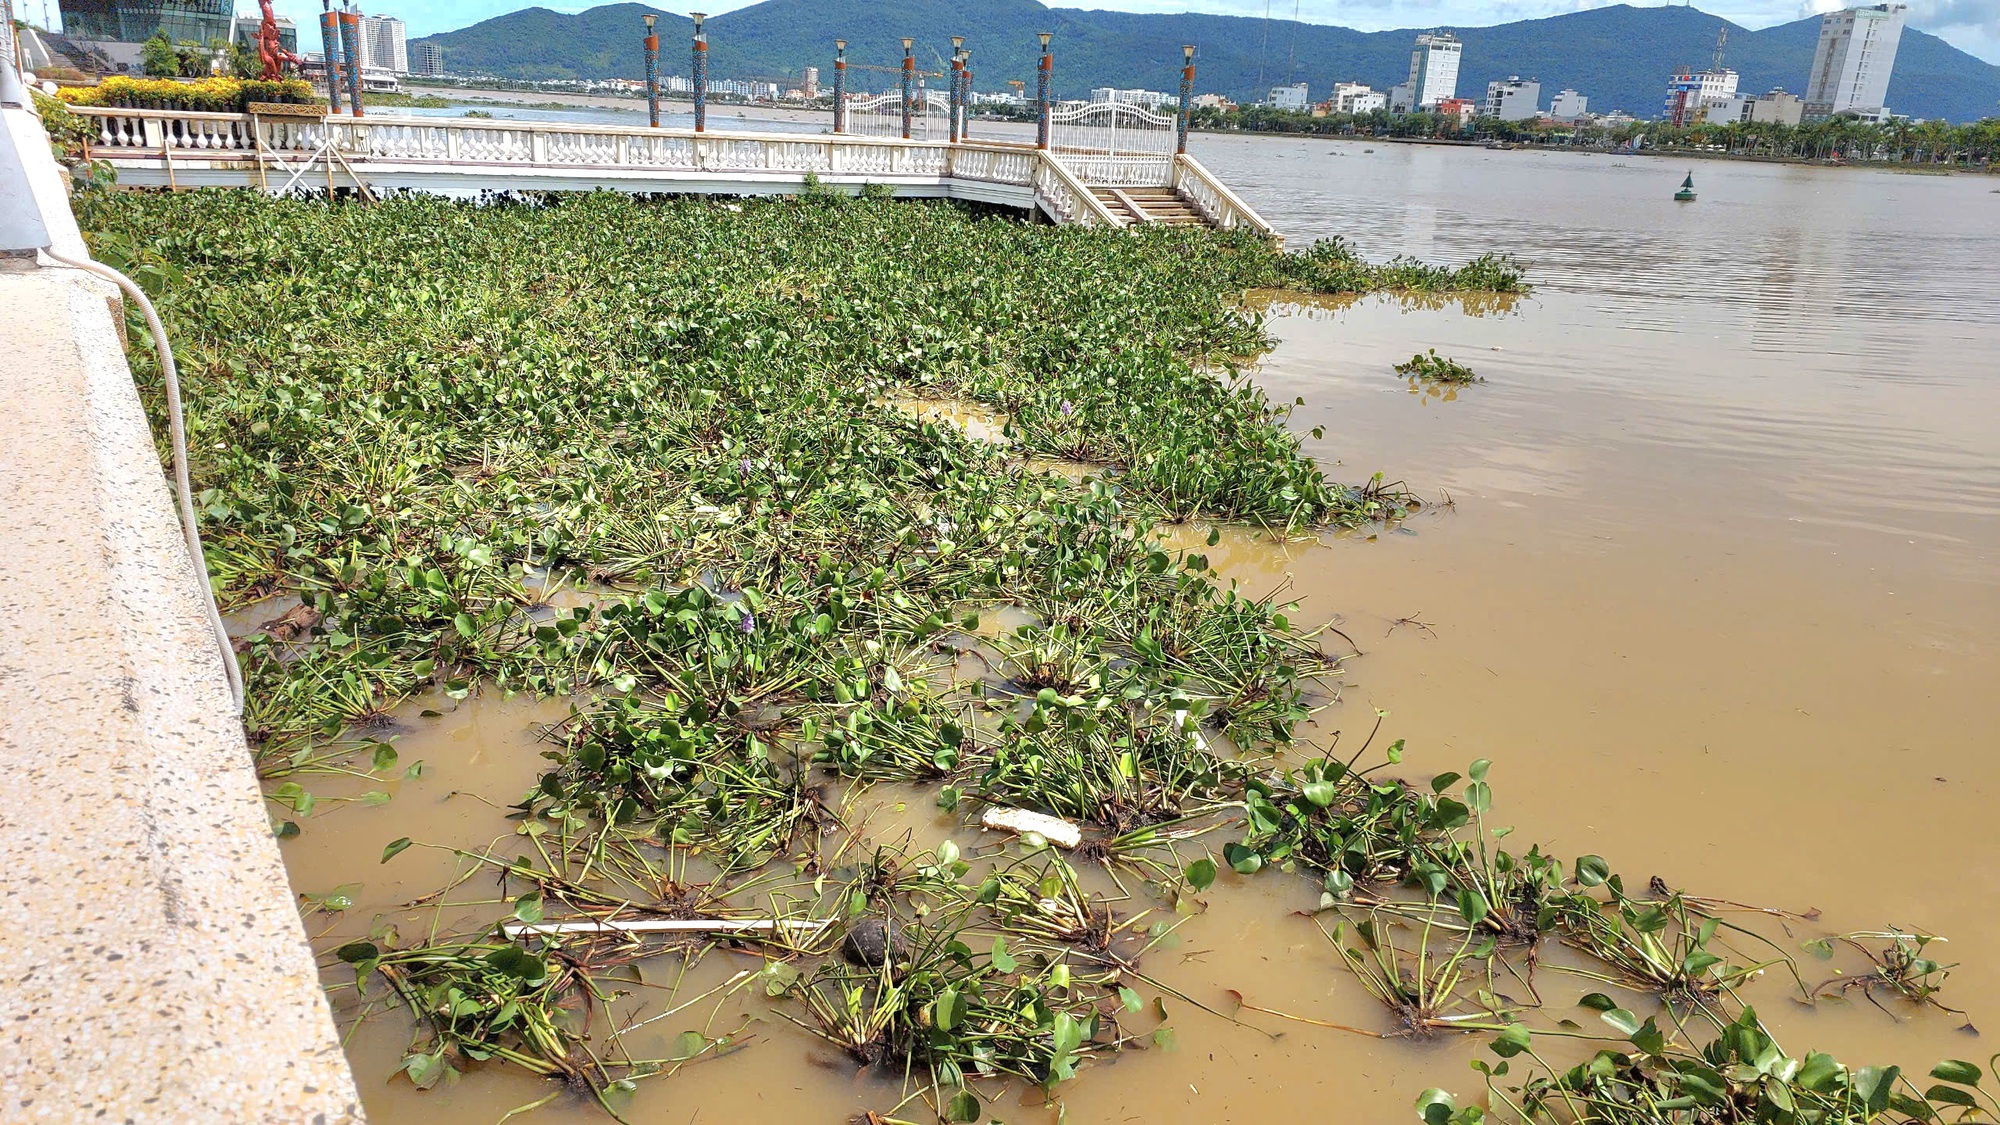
472	157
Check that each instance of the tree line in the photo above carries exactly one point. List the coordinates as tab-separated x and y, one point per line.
1974	144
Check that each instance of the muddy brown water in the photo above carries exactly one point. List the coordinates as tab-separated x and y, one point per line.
1716	589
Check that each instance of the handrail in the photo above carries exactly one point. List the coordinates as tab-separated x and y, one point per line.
402	140
1219	205
1098	214
510	124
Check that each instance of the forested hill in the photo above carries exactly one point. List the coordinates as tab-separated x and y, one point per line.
1619	56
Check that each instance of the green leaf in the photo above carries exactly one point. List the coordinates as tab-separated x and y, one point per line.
1511	1042
1597	1002
687	1045
385	756
1622	1021
1592	871
1436	1107
517	963
356	952
528	908
1241	859
950	1006
1200	874
1003	960
1472	906
963	1107
1320	793
395	848
1959	1071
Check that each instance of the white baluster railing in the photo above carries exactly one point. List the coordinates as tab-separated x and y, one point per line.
1214	201
1057	179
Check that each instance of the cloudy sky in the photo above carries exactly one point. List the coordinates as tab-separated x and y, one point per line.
1972	25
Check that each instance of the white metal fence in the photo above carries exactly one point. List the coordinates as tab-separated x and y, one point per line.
1113	142
881	115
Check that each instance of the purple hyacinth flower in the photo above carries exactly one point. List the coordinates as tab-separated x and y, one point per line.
1068	409
748	623
746	466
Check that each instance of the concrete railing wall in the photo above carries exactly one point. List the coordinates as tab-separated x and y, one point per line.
153	965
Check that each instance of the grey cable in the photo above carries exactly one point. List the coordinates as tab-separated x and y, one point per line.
177	430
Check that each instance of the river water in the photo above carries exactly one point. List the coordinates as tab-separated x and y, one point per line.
1717	589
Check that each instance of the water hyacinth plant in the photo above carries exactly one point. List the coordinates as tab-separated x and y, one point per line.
413	421
1430	367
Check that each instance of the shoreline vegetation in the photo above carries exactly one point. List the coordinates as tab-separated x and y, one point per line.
787	584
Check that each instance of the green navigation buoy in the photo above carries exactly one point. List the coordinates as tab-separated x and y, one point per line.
1686	194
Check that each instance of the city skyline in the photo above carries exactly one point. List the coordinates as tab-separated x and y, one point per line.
1971	25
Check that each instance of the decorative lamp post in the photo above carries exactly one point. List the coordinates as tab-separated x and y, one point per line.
840	85
1042	77
1187	100
965	97
652	72
951	95
700	73
909	79
329	42
350	48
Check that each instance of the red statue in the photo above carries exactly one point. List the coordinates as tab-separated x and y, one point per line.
275	57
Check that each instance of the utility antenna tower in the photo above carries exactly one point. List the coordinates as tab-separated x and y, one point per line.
1721	37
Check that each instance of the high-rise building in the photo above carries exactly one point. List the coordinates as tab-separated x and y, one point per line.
1354	98
809	82
426	60
383	46
1568	106
135	21
1688	93
1433	70
1514	99
1851	65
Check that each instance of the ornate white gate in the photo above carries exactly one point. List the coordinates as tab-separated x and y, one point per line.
1113	142
881	115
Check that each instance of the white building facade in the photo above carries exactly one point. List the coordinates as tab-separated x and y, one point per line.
1851	64
1514	99
1291	97
1433	73
1569	106
383	46
1352	98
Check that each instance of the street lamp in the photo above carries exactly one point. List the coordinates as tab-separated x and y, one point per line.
951	95
700	73
1187	99
840	85
965	99
652	71
1042	77
909	79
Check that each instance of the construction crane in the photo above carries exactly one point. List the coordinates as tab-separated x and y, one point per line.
1020	87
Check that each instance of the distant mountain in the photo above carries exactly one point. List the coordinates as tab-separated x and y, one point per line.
1619	56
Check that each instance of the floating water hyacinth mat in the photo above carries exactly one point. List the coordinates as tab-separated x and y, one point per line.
414	423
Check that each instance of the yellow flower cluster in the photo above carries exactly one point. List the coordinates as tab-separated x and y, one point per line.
211	95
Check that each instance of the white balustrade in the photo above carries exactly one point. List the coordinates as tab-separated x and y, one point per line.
1213	200
1057	178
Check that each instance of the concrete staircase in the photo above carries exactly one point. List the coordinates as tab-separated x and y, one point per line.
1148	206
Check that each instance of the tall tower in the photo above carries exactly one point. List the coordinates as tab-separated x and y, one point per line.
1434	68
1851	65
